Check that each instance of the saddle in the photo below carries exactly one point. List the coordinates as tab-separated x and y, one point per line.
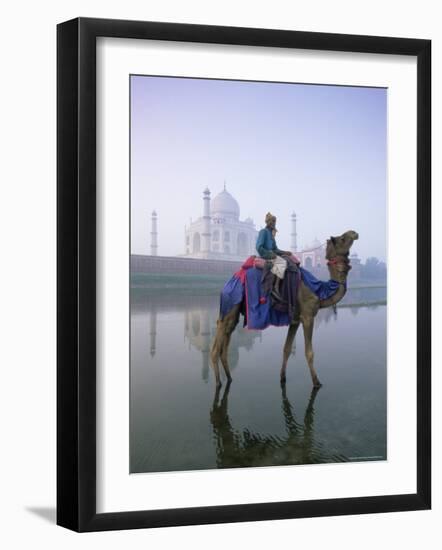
286	301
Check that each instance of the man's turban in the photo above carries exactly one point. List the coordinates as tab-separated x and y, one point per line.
269	217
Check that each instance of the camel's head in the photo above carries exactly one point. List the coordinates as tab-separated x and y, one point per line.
340	246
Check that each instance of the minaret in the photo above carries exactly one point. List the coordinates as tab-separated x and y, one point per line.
293	235
153	332
154	235
205	235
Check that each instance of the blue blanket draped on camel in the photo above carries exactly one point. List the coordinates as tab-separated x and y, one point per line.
258	311
323	289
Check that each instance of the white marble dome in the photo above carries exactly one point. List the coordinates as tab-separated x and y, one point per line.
219	234
224	205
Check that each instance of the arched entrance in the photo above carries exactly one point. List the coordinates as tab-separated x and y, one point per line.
242	244
308	264
196	242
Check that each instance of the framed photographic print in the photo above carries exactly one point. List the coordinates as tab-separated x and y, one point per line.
220	188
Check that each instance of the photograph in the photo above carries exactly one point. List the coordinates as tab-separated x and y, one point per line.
257	208
226	212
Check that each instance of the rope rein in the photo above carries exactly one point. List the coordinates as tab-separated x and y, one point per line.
313	249
339	259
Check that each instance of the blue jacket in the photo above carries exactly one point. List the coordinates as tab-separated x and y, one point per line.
266	244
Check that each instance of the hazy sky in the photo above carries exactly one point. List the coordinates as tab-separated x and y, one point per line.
317	150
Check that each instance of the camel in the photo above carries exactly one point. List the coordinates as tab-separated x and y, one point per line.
307	306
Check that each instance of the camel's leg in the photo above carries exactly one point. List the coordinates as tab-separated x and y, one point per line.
229	328
216	350
309	355
224	352
288	348
220	344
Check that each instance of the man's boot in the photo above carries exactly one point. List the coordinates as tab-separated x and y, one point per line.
276	295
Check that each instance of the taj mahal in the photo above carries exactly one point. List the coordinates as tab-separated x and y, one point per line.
220	234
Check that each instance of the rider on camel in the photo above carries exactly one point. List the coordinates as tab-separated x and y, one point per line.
267	249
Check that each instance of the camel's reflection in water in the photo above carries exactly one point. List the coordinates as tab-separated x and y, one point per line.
236	448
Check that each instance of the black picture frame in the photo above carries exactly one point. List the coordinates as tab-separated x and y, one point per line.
76	273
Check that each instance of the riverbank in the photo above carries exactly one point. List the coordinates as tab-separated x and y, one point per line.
148	284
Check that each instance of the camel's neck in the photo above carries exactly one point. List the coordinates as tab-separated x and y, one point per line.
339	275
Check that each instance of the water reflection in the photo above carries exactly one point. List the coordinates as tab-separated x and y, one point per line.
179	422
199	331
200	328
153	331
248	448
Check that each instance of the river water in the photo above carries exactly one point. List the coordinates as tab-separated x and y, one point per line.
179	422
